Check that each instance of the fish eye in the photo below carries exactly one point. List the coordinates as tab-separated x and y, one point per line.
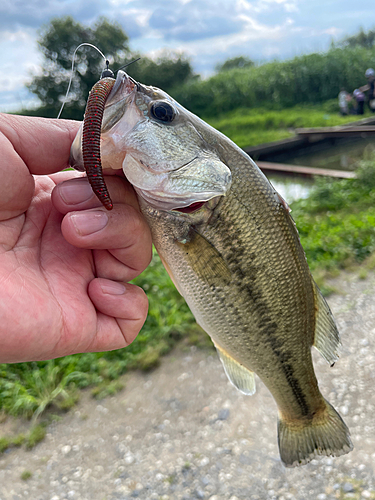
163	111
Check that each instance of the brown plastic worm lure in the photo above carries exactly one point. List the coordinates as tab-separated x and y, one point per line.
92	125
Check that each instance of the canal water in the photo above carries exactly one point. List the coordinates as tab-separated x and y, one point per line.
340	154
290	187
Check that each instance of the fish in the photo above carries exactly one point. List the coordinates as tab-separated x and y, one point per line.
232	249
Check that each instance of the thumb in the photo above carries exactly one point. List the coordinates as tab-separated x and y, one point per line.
122	310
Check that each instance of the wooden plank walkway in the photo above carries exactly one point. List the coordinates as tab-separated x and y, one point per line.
297	141
269	167
276	146
365	121
304	138
327	132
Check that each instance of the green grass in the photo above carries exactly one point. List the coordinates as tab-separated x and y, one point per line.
26	475
250	127
336	222
35	435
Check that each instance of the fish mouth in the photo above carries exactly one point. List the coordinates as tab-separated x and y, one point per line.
196	207
120	96
185	189
118	101
123	86
175	203
190	209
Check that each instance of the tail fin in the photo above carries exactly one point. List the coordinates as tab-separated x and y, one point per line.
326	434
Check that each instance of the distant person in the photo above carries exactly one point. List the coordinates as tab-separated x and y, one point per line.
344	99
370	88
360	101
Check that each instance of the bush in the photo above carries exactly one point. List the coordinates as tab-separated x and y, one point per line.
336	222
313	78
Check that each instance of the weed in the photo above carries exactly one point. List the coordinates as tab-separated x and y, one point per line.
150	357
107	389
363	273
69	399
18	440
4	444
8	442
35	435
370	262
26	474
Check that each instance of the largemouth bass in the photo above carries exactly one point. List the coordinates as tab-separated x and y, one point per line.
232	249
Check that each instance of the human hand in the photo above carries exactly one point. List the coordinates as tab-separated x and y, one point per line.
64	259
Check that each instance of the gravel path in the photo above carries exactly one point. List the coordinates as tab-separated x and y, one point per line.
183	431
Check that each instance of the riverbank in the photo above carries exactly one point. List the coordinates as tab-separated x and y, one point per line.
250	127
183	432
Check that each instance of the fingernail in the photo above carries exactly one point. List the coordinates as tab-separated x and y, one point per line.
112	287
75	191
89	222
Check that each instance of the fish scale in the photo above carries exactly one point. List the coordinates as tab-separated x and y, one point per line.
240	297
232	249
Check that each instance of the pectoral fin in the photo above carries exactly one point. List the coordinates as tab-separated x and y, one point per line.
327	338
206	261
242	378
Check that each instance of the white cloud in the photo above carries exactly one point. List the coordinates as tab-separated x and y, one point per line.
20	57
268	5
332	31
120	3
209	31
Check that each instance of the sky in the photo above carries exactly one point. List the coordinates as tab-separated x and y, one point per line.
207	31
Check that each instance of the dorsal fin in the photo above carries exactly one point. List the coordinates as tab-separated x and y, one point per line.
242	378
327	338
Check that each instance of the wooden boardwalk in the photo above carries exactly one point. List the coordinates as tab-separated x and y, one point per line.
363	131
270	167
306	138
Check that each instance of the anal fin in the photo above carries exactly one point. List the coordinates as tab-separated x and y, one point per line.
327	338
242	378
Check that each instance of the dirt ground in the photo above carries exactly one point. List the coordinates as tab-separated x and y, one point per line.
184	432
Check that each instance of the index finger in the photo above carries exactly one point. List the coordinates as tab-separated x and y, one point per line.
30	145
43	144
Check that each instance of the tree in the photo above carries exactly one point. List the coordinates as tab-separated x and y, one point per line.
170	70
238	62
57	42
59	39
362	39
